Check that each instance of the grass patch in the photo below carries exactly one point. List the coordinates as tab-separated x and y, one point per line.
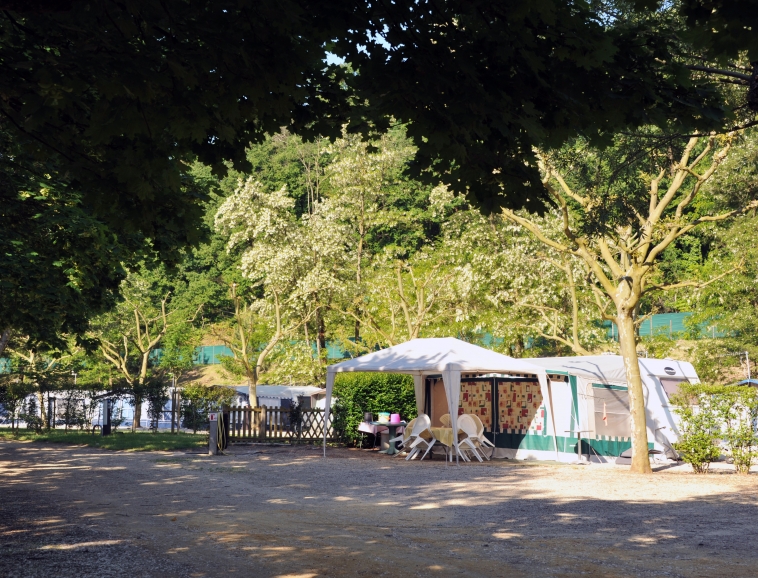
119	441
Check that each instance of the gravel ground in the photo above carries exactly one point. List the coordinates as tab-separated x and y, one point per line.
286	512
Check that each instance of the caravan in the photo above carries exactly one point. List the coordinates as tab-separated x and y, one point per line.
591	400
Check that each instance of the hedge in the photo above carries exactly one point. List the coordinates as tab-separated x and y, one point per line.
359	393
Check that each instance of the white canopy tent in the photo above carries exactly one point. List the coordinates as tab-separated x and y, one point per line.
446	356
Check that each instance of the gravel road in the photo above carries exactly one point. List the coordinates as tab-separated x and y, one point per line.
286	512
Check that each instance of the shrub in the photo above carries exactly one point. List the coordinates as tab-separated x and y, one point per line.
710	414
359	393
199	400
738	410
698	427
156	394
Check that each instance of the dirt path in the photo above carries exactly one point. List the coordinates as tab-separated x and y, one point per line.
280	512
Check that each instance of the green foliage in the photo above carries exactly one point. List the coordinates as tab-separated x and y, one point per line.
60	264
723	29
359	393
508	79
155	392
13	391
737	408
124	110
698	426
178	349
198	400
658	345
343	422
717	413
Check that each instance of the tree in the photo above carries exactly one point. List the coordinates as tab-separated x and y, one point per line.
380	211
129	336
105	106
124	95
405	299
481	84
520	291
60	264
286	261
620	229
112	103
724	45
727	309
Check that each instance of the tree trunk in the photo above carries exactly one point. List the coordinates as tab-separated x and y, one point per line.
137	415
42	410
318	334
321	331
4	339
252	388
628	348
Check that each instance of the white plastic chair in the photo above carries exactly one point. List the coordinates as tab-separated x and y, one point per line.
402	439
471	441
417	442
482	438
445	420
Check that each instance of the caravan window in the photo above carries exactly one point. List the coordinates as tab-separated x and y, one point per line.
671	386
612	416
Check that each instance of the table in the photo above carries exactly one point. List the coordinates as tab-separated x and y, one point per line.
392	427
444	435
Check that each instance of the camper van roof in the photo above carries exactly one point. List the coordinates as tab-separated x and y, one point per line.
281	391
610	368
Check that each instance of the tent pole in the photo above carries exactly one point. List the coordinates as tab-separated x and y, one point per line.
552	416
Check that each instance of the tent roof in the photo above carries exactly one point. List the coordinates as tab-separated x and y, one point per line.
426	356
610	368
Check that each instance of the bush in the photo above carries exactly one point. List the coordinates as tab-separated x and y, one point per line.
698	427
359	393
710	414
156	394
738	410
199	400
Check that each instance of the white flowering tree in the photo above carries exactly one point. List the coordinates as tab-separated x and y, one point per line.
406	299
519	290
368	195
289	263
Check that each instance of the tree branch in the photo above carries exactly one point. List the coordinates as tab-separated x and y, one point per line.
720	72
696	284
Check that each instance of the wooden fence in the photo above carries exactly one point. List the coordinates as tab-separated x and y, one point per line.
275	424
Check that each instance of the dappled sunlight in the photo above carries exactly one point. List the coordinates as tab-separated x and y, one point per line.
506	535
47	521
176	514
328	517
80	545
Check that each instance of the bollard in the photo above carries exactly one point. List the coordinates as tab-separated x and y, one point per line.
106	423
213	431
